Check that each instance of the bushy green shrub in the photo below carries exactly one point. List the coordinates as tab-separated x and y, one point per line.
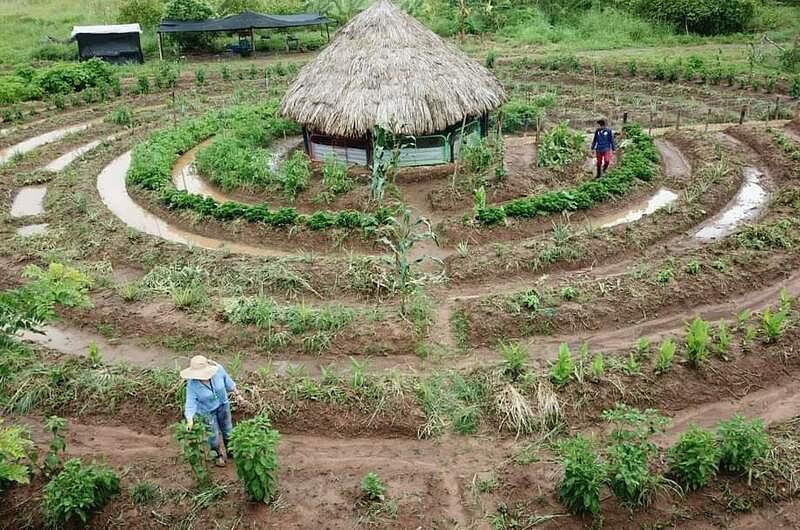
519	115
166	76
72	77
295	174
14	89
741	443
560	147
694	459
193	10
78	491
707	17
477	157
148	13
335	177
194	448
584	474
254	445
231	164
491	215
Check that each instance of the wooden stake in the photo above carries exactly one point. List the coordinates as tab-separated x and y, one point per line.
678	120
624	118
741	115
708	118
160	48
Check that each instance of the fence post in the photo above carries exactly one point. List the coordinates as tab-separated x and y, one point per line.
777	107
650	130
708	118
741	115
624	118
678	120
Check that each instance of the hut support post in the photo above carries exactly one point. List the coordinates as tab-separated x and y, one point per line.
253	39
160	48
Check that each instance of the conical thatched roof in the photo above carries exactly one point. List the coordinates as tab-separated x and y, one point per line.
385	68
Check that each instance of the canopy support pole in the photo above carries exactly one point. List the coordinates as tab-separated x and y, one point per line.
160	48
252	40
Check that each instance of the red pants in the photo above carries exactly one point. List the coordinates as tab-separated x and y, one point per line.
604	158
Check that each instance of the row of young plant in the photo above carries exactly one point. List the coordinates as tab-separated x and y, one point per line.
638	162
153	159
694	69
626	462
701	341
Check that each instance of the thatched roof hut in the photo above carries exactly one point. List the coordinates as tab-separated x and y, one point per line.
385	69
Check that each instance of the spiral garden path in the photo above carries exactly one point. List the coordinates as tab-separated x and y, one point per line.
713	234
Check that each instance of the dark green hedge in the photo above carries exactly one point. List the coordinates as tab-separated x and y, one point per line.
638	162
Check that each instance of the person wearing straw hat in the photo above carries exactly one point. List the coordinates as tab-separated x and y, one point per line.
207	389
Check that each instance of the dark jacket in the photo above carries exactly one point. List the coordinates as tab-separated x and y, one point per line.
603	140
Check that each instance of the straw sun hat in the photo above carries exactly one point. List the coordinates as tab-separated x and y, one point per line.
200	368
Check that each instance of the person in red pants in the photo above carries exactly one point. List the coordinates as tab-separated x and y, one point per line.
603	146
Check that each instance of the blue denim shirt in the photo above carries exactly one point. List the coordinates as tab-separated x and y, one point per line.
200	399
603	140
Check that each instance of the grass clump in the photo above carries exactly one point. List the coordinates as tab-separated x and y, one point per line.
372	488
145	492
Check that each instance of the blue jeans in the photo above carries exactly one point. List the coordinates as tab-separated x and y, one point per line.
218	422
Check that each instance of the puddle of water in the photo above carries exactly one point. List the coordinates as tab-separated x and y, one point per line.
113	192
185	177
744	207
38	141
32	230
66	159
29	201
663	197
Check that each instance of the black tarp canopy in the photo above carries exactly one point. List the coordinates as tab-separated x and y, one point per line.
116	43
243	21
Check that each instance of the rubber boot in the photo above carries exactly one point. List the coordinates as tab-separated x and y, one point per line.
599	171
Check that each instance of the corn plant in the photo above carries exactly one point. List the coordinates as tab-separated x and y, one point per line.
479	200
77	491
642	348
194	447
582	365
569	293
52	462
694	459
564	368
515	357
773	324
632	365
697	340
584	474
400	234
741	443
15	453
254	446
666	352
